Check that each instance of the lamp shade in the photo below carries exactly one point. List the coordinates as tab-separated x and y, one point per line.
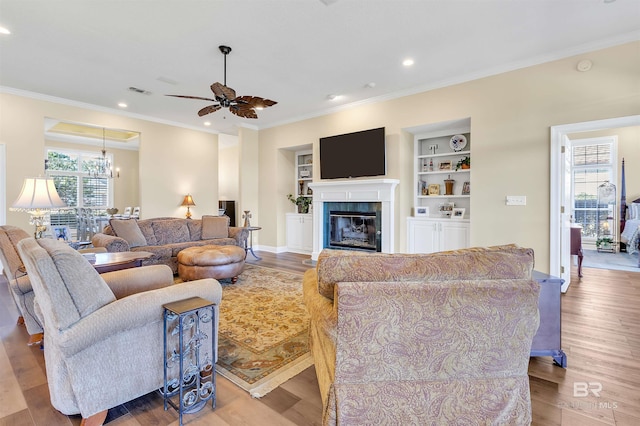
38	194
188	201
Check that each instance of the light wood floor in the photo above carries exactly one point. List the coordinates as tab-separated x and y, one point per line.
600	334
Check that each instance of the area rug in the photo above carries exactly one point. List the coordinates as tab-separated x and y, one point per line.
263	331
617	261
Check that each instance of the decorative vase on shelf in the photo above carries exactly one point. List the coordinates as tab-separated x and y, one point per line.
246	216
448	185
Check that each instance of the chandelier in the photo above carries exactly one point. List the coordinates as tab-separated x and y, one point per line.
101	166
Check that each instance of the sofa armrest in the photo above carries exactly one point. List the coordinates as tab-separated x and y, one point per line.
126	282
110	242
135	311
239	234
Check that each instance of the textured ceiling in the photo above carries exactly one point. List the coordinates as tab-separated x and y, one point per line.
296	52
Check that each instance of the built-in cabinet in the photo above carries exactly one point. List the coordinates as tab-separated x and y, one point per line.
442	188
431	235
299	233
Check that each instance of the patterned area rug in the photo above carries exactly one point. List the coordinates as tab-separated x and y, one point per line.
263	332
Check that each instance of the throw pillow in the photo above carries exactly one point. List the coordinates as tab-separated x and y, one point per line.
171	231
129	230
215	227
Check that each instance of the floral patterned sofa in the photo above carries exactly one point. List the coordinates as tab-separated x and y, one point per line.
165	237
442	338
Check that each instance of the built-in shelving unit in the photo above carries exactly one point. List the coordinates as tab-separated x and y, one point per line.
304	172
442	188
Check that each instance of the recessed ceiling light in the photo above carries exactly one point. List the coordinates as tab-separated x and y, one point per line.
333	97
122	105
370	85
207	123
407	62
4	30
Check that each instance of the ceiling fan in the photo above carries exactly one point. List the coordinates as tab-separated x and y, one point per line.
225	97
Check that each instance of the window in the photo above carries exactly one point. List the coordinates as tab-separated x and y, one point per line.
593	163
70	173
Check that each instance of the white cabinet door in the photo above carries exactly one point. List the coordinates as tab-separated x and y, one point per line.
299	233
454	235
423	236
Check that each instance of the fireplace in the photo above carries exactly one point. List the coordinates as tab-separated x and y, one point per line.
353	230
355	204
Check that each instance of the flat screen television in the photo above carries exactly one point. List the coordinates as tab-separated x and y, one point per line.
353	155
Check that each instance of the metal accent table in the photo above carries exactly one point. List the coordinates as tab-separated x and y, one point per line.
189	370
249	243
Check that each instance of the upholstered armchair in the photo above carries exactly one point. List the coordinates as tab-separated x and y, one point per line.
102	347
423	339
18	280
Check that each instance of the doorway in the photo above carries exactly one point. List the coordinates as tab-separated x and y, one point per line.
560	192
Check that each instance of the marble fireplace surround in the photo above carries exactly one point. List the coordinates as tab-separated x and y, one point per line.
357	191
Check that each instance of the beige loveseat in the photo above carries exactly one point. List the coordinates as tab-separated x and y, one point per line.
423	339
165	237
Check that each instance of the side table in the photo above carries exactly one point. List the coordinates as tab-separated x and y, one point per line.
249	243
546	341
189	371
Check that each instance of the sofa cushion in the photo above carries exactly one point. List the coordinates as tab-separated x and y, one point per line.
215	227
129	230
500	262
171	231
147	231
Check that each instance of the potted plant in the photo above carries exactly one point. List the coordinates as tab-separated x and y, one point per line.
301	201
464	163
604	243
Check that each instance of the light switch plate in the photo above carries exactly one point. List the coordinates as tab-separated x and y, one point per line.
516	200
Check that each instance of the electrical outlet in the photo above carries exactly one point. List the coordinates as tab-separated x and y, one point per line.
516	200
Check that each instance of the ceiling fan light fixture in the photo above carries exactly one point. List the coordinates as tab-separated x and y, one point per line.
225	97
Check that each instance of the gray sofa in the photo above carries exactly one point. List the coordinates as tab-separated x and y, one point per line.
165	237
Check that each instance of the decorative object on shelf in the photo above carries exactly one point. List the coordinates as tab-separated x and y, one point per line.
434	189
466	188
112	211
247	216
301	184
38	197
464	163
446	209
188	203
430	164
305	173
421	211
445	165
458	213
309	191
302	203
448	185
458	142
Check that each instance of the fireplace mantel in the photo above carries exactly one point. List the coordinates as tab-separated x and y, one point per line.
366	190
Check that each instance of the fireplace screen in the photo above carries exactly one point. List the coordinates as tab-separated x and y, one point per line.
355	230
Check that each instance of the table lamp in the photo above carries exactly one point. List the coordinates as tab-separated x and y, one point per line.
188	202
38	197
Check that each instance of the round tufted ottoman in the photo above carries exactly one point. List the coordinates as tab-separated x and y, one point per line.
216	262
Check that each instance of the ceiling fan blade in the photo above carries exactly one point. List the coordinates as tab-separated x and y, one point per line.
255	102
193	97
208	110
222	91
243	110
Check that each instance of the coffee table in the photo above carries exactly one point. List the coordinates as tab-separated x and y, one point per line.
108	262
